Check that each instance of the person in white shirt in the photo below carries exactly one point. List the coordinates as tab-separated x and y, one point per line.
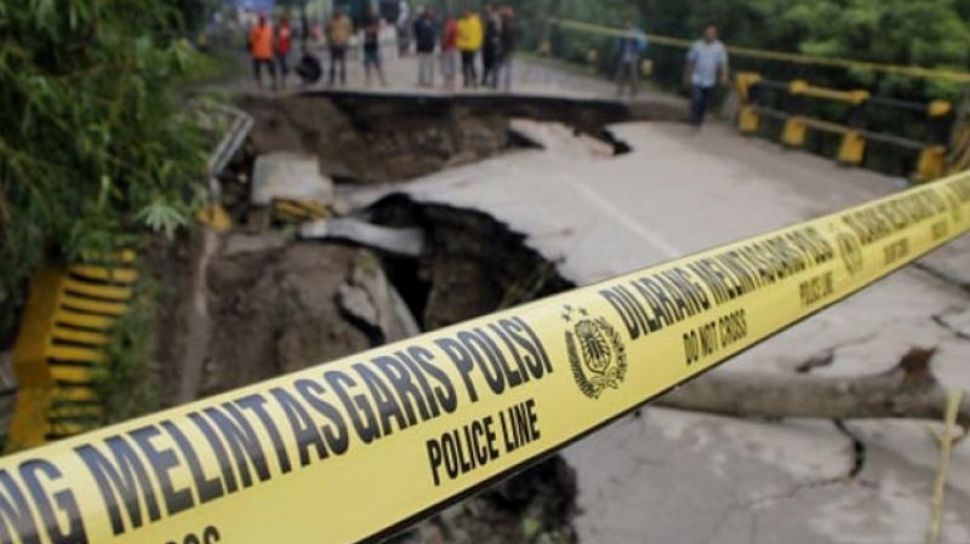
707	64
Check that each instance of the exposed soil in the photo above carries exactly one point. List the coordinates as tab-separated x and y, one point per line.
375	149
169	264
274	311
385	138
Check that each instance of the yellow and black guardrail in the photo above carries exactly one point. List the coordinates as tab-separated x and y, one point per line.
358	447
932	152
60	348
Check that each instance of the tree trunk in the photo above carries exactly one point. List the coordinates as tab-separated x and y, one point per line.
910	390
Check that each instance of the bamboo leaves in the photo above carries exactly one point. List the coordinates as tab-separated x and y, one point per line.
93	142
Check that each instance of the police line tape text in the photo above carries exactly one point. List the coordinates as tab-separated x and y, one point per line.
475	444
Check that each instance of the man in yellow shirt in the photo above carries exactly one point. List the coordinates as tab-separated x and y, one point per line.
470	37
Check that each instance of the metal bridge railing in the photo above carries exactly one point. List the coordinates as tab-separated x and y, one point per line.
932	150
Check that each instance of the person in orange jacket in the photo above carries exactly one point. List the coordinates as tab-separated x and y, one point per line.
261	50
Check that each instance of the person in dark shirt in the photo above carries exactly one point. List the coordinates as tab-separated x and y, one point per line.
508	35
372	48
491	47
425	40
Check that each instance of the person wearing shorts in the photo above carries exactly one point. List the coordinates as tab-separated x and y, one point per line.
372	49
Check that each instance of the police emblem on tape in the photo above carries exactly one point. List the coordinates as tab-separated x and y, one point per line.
596	352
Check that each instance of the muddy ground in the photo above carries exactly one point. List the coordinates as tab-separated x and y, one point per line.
378	139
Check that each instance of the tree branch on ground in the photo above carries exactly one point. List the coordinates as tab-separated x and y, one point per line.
910	390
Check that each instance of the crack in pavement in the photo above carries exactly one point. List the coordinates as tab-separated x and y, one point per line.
943	276
754	527
858	449
940	320
826	357
752	505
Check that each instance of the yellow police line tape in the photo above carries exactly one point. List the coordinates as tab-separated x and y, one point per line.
910	71
357	447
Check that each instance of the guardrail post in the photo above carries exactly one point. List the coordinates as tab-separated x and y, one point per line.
930	164
853	147
746	87
793	132
932	159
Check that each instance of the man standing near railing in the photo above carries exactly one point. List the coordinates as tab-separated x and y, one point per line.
629	50
707	64
371	30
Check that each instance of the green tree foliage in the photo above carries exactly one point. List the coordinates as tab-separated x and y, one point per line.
928	33
94	141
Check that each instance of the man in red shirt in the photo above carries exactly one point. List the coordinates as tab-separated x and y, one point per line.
284	42
449	51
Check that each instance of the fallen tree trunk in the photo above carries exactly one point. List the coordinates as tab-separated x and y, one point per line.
910	390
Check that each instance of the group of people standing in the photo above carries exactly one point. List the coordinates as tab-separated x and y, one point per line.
480	45
270	48
450	42
461	41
